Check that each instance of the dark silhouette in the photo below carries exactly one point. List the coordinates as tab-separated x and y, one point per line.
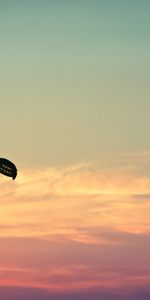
7	168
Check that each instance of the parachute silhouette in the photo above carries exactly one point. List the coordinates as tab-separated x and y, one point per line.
7	168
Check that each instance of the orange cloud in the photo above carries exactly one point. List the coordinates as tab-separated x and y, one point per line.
64	201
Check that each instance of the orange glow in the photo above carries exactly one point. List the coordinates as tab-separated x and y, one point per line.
73	224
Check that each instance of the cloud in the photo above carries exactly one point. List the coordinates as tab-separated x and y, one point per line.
38	294
14	293
71	229
142	196
50	202
64	266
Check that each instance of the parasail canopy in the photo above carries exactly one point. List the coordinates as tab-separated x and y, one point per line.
7	168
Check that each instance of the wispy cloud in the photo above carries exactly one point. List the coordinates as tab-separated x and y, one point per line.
76	228
71	278
65	201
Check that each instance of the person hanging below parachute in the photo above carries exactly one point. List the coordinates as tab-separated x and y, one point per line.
8	168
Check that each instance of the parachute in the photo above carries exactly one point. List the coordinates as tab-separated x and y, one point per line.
7	168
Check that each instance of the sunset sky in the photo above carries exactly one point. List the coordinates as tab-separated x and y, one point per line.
75	224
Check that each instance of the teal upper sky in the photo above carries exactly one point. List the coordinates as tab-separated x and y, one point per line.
74	79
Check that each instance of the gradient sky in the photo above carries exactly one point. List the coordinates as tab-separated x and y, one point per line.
75	119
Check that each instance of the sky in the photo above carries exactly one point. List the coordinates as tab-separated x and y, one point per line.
75	119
